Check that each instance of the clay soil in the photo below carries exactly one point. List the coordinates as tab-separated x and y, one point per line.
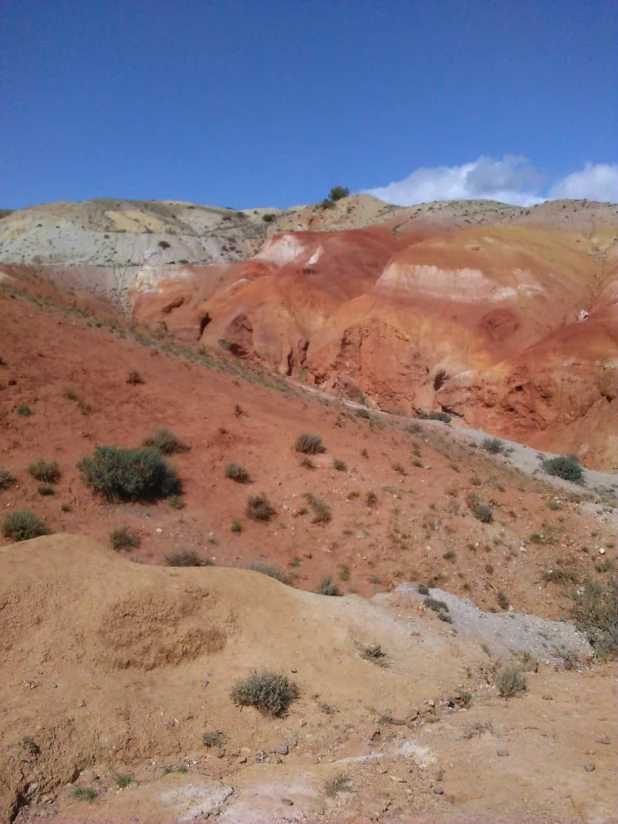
79	599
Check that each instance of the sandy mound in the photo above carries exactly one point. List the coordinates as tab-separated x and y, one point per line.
114	664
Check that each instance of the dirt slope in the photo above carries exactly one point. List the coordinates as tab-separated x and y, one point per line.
115	666
419	526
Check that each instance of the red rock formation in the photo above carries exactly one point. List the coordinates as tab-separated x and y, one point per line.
455	320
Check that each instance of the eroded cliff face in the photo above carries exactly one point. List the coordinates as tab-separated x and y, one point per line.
459	320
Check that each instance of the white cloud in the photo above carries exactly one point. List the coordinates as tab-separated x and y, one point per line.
595	182
510	180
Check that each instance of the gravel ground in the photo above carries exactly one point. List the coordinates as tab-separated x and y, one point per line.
510	633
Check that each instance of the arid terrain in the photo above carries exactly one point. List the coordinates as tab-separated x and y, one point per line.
448	555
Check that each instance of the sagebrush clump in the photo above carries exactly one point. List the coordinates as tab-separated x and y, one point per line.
124	538
269	692
270	570
328	587
185	558
510	681
45	471
309	444
595	612
23	525
238	473
7	479
129	474
259	508
483	513
166	442
566	467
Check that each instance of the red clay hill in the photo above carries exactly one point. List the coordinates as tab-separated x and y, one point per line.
505	317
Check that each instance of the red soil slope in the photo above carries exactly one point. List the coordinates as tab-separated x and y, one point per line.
419	526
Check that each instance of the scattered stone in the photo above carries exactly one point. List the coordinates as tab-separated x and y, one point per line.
502	753
547	697
438	790
605	740
293	740
590	768
382	770
282	749
288	802
440	774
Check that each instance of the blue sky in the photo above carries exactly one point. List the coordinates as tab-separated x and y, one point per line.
271	102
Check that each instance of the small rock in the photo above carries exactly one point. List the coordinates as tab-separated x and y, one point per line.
502	753
547	697
605	740
282	749
438	790
303	723
590	768
293	740
382	770
440	774
288	802
601	551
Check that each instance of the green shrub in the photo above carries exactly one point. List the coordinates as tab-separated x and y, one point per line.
493	445
45	471
483	513
375	654
186	558
339	465
328	587
338	192
129	474
270	571
595	612
46	489
176	501
7	479
321	511
435	605
269	217
23	525
510	681
84	793
566	467
24	411
66	508
259	508
237	473
213	739
269	692
122	780
338	784
309	444
134	378
166	442
236	526
124	538
371	499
